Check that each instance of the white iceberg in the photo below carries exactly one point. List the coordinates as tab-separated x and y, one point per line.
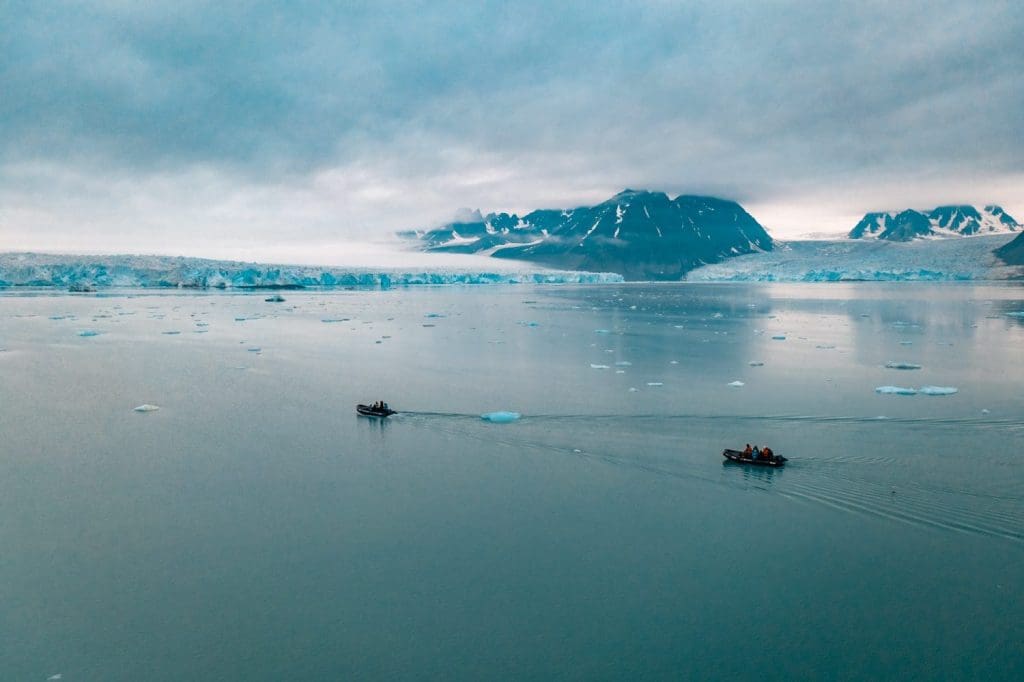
939	390
146	407
895	390
736	384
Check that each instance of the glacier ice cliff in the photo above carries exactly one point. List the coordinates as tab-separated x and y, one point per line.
81	273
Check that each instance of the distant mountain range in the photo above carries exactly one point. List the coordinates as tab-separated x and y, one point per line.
944	221
639	234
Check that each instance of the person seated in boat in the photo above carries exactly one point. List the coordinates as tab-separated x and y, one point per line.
768	454
384	406
747	451
756	454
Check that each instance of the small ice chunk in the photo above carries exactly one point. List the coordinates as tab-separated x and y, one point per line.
88	332
673	362
906	343
1016	313
601	331
170	333
655	383
902	365
595	366
620	371
984	411
736	384
500	417
146	407
939	390
433	315
825	346
633	389
623	363
58	676
895	390
255	349
779	337
756	363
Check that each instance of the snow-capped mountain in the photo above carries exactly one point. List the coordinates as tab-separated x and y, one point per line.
641	235
944	221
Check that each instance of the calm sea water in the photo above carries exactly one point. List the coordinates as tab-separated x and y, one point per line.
254	528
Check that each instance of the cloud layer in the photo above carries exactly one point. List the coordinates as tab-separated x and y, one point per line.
132	126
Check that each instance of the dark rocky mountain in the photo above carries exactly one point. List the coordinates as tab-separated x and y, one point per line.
944	221
638	234
1012	253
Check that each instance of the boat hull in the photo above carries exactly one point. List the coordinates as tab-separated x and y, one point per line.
369	411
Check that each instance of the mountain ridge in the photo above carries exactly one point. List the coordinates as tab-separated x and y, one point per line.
640	234
952	220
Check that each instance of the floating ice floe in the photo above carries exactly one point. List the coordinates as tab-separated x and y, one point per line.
779	337
902	365
736	384
895	390
655	383
906	343
88	332
633	389
623	363
825	346
171	333
601	331
146	407
939	390
756	363
500	417
596	366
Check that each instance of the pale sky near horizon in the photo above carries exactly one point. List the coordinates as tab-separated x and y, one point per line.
311	132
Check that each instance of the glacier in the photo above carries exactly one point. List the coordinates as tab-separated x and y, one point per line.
83	273
848	260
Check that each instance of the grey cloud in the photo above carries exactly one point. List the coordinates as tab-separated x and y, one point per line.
513	104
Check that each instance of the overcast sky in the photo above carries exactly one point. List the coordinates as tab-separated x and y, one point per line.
303	131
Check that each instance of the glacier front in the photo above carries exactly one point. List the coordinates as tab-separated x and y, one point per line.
84	273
